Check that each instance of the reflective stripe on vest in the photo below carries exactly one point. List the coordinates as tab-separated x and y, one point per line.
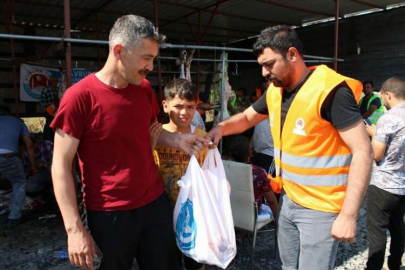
313	162
317	162
315	180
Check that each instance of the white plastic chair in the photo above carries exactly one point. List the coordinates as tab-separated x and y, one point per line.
244	207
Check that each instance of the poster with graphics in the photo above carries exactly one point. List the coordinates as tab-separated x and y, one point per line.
35	78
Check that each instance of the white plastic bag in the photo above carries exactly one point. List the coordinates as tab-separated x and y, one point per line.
202	216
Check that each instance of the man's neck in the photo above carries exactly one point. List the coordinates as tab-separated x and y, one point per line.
368	96
109	74
302	74
397	102
174	128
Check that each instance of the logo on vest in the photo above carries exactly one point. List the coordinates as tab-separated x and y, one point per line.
272	119
299	127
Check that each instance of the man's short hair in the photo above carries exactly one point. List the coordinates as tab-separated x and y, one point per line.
239	148
395	86
182	88
129	30
368	82
5	110
279	38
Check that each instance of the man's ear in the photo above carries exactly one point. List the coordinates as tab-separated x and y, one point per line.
117	49
165	105
292	54
389	95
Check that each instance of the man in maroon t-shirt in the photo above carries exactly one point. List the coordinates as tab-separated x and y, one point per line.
105	118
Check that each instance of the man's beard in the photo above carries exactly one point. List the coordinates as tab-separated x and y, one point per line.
286	80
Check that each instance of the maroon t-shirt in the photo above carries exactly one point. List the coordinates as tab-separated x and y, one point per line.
115	156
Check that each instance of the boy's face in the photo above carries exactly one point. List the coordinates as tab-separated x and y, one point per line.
181	111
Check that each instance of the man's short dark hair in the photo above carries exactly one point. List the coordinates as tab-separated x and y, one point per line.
279	38
395	86
182	88
4	110
239	148
368	82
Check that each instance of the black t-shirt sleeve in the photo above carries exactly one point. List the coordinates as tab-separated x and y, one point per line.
376	102
260	106
340	107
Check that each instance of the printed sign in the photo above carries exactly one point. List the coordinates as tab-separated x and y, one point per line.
35	78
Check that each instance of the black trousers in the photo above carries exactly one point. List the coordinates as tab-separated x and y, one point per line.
145	233
385	211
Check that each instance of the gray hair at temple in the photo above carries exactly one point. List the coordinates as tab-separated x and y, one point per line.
129	30
395	86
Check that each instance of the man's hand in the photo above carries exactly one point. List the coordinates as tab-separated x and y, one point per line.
192	144
154	133
81	249
344	228
214	136
371	130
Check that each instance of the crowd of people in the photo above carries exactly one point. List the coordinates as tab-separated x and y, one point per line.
312	151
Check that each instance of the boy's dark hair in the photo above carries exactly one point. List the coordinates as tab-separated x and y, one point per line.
239	148
182	88
368	82
278	38
4	110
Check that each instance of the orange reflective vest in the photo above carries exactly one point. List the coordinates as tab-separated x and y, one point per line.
312	161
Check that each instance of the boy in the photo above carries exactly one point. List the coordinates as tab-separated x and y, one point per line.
180	104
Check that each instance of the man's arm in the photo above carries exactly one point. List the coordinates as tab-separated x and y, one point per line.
31	154
374	105
369	111
80	246
235	125
378	147
189	143
355	137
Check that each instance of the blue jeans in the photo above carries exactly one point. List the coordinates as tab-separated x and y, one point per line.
12	169
304	237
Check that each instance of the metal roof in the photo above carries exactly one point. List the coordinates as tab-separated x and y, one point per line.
211	21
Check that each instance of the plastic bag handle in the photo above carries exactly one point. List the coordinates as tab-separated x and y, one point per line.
213	156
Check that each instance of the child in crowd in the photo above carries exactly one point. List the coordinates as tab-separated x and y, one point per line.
239	149
180	104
